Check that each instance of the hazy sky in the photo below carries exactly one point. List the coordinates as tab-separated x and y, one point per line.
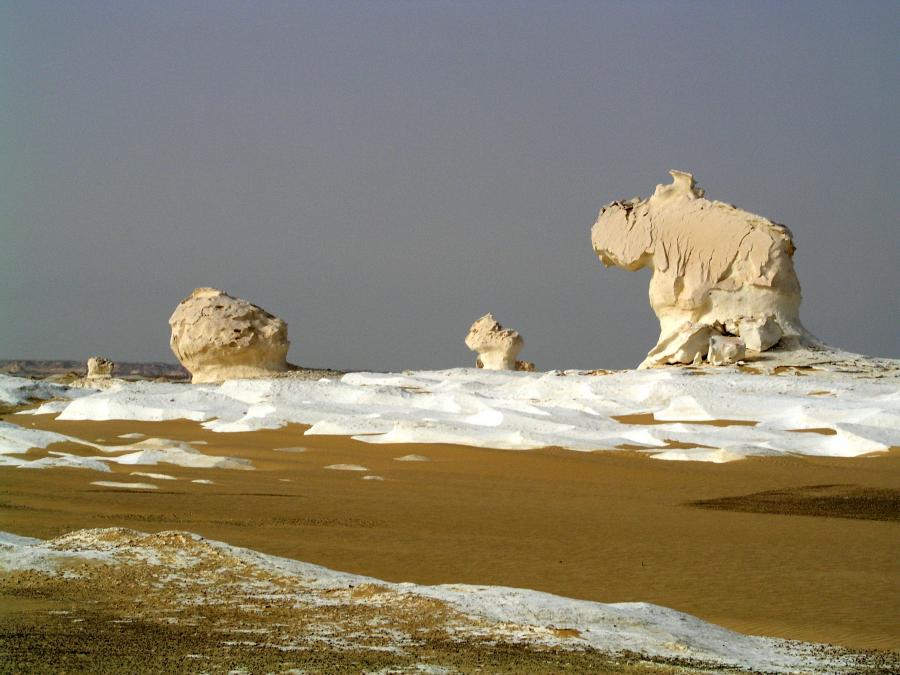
381	174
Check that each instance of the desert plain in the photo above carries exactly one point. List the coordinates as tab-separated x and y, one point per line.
796	547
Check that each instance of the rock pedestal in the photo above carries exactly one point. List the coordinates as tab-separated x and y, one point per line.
713	265
496	346
99	368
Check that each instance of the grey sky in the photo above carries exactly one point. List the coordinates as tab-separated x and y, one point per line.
381	174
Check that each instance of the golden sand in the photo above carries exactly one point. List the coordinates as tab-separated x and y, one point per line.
606	526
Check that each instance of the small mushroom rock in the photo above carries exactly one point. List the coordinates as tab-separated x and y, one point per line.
99	368
758	333
217	337
496	346
713	264
725	349
525	366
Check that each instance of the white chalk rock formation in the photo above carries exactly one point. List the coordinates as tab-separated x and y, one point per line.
758	333
496	346
725	349
99	368
713	264
688	344
217	337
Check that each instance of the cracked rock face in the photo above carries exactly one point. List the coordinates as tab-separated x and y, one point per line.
99	368
713	265
496	346
217	337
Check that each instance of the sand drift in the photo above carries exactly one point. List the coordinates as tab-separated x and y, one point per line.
674	414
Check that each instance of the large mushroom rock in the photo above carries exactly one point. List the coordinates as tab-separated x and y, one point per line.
99	368
496	346
713	265
217	337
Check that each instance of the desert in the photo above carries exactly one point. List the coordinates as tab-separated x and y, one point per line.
404	338
730	504
762	518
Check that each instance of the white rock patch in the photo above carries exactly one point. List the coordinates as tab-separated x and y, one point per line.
520	410
127	486
154	476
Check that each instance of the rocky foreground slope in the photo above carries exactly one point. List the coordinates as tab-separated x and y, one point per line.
217	605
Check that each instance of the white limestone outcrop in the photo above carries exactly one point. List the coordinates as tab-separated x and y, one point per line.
217	337
99	368
725	350
496	346
759	333
688	344
713	265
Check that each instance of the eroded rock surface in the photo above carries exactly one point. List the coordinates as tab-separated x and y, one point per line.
496	346
99	368
713	265
217	337
688	344
725	350
758	333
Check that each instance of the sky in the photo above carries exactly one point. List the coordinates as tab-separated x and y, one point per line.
381	174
